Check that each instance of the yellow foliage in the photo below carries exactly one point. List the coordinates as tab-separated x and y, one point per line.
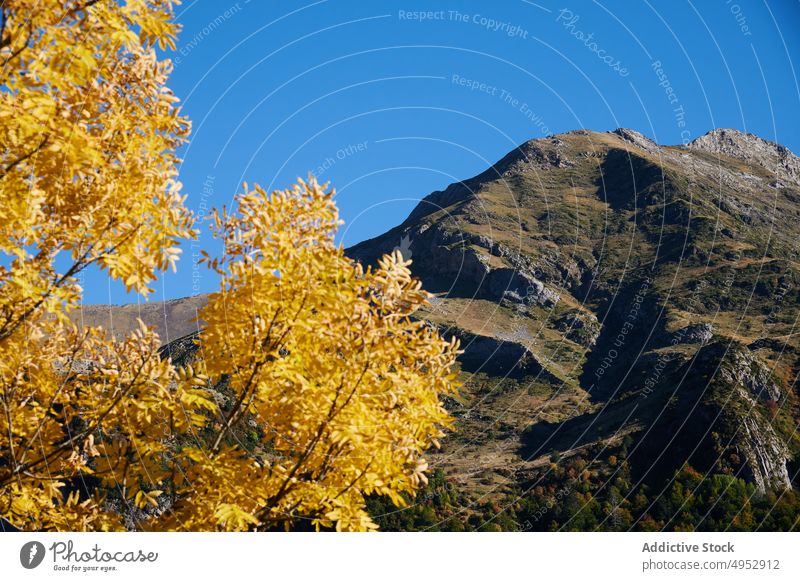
88	131
326	358
322	356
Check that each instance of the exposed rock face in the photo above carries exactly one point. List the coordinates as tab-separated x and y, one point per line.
741	436
582	328
637	139
701	333
472	266
503	356
766	456
706	412
519	287
748	371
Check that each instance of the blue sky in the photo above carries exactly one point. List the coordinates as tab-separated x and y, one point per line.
392	100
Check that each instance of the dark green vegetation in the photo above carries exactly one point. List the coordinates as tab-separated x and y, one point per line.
576	495
628	314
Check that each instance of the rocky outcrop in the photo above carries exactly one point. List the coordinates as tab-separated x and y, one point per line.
472	266
519	287
751	149
637	139
708	412
743	437
700	333
765	455
745	369
581	327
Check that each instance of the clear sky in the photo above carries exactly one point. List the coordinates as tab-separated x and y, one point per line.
392	100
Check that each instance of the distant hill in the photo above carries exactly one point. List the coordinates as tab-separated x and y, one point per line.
171	319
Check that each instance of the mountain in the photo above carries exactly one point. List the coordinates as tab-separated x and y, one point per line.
627	312
171	319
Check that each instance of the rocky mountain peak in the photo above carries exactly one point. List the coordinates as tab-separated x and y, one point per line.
751	149
636	138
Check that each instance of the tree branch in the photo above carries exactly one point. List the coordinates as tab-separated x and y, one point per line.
22	158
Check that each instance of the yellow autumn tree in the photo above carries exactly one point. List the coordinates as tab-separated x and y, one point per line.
88	131
322	357
326	358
